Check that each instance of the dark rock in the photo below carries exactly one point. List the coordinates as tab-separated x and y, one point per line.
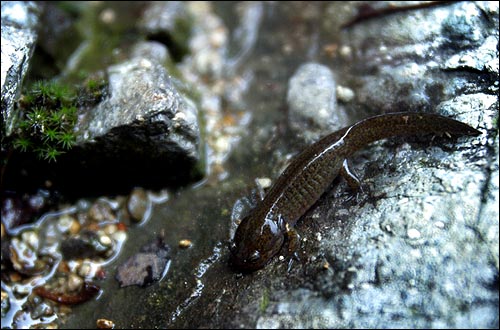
17	210
144	130
101	211
84	245
169	23
57	41
145	267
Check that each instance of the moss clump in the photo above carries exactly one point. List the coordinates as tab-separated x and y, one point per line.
92	91
49	115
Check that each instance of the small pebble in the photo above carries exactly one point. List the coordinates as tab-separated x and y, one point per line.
75	282
138	204
185	243
264	182
345	94
105	240
75	227
413	233
105	324
101	211
64	223
439	224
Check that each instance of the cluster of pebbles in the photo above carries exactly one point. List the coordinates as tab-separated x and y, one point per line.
59	260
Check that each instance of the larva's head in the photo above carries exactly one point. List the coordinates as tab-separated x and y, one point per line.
255	242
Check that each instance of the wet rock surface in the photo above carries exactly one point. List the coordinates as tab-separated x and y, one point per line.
393	58
145	122
419	248
410	252
19	24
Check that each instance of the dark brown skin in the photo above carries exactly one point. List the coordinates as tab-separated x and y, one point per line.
261	235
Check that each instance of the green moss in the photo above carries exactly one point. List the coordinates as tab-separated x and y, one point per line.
51	91
66	140
104	36
95	87
23	144
49	116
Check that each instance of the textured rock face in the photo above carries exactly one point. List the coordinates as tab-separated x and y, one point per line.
143	114
19	21
400	67
144	125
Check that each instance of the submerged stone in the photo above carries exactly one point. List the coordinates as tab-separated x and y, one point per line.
146	266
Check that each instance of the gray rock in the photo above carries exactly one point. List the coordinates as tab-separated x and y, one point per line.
144	132
400	67
141	91
151	50
145	121
312	102
19	23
